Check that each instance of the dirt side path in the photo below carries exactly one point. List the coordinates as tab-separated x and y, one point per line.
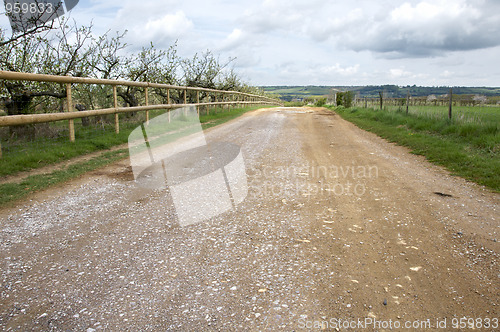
337	224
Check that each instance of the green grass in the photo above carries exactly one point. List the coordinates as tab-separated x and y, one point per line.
468	145
28	155
14	191
295	104
22	155
32	155
219	117
460	114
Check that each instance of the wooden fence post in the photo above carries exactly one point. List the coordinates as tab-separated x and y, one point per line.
209	100
198	101
215	100
146	95
69	101
117	117
381	96
451	103
407	101
168	102
229	99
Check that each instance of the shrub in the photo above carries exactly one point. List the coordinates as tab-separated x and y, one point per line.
320	102
345	99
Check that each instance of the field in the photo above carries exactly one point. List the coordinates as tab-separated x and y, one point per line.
468	145
288	93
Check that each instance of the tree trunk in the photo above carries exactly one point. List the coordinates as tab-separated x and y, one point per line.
19	105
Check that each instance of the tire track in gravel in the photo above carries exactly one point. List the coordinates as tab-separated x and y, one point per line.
337	223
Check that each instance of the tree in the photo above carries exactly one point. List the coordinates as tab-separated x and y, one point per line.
231	81
202	70
104	62
479	99
432	98
207	71
58	52
320	102
64	48
149	65
345	99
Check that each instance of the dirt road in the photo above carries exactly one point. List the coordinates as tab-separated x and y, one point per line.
339	227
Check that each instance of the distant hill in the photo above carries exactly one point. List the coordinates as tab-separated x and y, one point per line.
289	93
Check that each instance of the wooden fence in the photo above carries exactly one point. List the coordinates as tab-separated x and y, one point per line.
227	98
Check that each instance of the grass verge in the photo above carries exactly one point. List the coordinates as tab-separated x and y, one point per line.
33	155
469	150
14	191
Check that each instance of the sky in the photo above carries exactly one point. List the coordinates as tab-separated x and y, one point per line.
319	42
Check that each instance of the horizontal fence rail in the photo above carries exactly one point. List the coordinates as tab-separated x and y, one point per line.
227	98
16	76
17	120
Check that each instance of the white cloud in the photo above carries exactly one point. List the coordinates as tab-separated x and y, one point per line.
292	16
446	74
234	39
323	42
425	12
153	21
168	26
428	28
398	73
334	25
413	29
344	71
